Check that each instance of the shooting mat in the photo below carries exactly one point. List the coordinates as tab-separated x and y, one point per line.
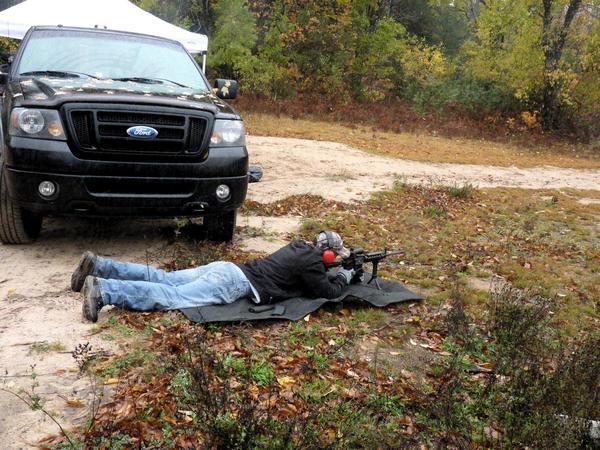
299	307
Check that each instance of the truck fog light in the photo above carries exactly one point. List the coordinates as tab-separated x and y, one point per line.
47	189
223	191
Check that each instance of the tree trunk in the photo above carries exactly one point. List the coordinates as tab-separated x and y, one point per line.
553	42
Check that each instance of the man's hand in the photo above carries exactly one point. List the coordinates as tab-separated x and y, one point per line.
346	275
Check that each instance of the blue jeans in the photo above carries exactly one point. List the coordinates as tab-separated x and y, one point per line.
145	288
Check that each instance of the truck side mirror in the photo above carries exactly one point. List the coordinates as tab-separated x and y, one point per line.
225	89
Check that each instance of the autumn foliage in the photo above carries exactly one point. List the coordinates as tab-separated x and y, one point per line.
535	57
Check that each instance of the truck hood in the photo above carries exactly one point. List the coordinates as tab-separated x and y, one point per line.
53	92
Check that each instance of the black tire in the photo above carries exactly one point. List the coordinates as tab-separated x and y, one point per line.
17	226
220	227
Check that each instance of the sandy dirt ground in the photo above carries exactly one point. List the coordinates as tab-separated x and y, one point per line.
343	173
37	308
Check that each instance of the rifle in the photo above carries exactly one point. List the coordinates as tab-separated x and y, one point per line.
358	257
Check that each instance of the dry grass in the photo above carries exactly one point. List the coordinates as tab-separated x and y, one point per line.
426	147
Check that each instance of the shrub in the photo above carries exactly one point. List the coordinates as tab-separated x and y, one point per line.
541	391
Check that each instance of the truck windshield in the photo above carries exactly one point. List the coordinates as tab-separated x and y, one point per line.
71	53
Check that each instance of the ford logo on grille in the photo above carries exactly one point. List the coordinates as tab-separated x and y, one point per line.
142	132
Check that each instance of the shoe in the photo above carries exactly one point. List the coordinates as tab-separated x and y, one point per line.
86	266
92	299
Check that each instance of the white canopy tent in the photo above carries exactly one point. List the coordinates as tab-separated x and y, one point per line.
120	15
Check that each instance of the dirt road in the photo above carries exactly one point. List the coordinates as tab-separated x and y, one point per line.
39	313
336	171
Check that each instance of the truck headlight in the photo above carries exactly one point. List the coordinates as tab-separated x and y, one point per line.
37	123
228	133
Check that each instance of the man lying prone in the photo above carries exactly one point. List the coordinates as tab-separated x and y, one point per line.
297	270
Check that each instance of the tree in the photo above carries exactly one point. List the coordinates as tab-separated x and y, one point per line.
534	51
556	27
234	37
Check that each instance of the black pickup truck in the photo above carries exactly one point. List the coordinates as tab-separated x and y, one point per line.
105	123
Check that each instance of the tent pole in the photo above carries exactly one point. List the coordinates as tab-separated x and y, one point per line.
204	63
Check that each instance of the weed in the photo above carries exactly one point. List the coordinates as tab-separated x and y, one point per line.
237	365
261	372
46	347
392	405
181	384
179	224
320	362
317	390
121	328
400	185
434	211
251	231
371	316
299	333
138	357
465	191
36	403
236	419
109	337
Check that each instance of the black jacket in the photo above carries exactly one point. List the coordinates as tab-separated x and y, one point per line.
295	270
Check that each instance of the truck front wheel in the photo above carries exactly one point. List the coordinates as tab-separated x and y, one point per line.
17	226
220	227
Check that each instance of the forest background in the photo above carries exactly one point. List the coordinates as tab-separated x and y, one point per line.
530	65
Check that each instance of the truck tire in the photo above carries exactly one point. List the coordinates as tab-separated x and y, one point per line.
220	227
17	226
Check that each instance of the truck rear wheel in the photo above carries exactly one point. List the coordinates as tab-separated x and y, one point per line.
220	227
17	226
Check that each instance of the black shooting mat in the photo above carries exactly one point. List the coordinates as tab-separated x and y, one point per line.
297	308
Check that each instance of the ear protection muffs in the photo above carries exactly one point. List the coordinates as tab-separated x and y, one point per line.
328	257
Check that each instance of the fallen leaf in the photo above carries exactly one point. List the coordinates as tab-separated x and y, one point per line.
352	373
405	420
75	403
112	381
352	393
169	419
285	380
123	411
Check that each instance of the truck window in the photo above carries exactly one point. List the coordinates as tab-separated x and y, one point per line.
110	56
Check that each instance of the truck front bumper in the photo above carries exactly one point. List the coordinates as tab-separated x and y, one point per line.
101	188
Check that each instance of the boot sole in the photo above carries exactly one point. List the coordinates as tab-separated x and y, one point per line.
89	310
84	268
